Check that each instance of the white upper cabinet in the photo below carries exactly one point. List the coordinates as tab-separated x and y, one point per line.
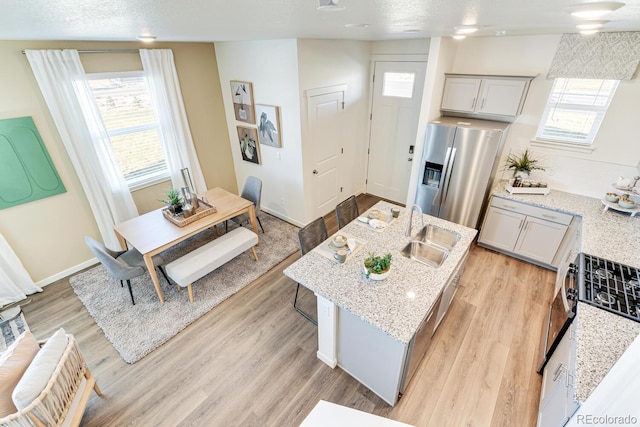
485	95
460	94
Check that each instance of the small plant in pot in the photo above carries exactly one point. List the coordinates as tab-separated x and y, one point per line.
173	201
522	164
377	267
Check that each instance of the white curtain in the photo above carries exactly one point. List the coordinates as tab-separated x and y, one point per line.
15	282
62	80
166	98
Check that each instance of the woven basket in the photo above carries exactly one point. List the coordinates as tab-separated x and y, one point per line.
202	210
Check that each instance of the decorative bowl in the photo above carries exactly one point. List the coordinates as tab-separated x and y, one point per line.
374	214
627	204
612	197
339	240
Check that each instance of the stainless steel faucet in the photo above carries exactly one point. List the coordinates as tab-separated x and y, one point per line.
407	233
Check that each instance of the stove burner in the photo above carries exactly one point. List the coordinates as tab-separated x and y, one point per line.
612	286
632	285
605	298
601	273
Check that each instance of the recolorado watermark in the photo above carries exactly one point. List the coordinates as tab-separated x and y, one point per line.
606	420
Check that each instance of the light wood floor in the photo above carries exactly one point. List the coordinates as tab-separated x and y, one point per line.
251	361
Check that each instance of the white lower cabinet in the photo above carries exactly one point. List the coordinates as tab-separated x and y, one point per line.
557	395
524	231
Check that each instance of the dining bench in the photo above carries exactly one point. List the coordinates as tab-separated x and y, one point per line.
199	262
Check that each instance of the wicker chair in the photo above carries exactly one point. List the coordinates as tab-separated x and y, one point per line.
309	237
347	211
64	389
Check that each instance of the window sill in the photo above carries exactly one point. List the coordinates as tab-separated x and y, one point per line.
564	146
148	183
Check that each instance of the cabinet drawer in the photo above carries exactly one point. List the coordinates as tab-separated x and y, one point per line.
529	210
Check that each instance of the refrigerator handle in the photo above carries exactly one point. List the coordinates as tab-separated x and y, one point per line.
437	199
447	174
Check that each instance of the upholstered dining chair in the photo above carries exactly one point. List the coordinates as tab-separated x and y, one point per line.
310	236
251	191
123	265
347	211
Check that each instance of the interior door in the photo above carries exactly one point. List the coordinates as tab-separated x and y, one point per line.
325	133
397	97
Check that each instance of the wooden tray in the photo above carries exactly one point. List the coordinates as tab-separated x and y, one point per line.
526	190
203	210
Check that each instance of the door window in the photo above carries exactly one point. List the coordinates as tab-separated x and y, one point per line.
399	85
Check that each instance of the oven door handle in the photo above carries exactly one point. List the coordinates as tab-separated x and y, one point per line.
565	301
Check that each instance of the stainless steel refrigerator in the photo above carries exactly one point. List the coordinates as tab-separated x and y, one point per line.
459	162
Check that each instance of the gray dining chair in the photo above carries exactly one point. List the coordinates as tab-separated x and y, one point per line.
310	236
347	211
123	265
251	191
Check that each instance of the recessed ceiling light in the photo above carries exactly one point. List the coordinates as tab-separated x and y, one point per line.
501	33
466	29
459	36
588	32
147	39
411	31
594	10
356	25
329	6
591	25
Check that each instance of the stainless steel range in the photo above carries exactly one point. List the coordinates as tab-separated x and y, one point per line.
610	285
599	282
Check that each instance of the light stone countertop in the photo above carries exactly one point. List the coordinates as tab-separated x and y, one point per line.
602	336
398	304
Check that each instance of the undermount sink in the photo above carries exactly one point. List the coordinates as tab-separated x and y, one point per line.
425	252
438	236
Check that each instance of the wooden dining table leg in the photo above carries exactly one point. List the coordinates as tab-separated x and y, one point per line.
154	276
121	240
254	221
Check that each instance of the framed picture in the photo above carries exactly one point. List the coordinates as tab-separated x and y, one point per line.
242	94
248	138
269	125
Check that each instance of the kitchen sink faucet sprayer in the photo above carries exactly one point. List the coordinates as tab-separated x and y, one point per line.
407	233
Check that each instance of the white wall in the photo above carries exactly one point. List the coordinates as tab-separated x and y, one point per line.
616	148
323	63
272	67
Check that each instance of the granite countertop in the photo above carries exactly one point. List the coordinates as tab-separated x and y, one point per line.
398	304
601	336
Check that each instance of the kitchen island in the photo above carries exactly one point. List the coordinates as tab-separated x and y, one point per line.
601	336
381	317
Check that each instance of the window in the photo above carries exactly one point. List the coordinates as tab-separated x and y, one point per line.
575	110
125	106
398	84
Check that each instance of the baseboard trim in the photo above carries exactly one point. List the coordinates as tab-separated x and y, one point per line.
282	217
68	272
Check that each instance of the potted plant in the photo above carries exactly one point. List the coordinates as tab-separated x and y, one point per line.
173	201
523	164
377	267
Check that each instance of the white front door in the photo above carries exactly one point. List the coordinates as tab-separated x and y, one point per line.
397	97
325	133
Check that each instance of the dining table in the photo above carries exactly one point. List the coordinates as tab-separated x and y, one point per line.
152	233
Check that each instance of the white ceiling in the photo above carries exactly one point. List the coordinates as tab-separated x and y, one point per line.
222	20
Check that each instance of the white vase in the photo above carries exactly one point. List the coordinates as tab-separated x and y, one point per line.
375	276
521	174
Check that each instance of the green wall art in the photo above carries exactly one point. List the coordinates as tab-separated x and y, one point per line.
26	170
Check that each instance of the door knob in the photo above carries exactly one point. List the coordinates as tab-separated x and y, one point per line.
315	171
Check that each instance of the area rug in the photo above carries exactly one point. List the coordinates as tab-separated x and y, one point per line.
136	330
